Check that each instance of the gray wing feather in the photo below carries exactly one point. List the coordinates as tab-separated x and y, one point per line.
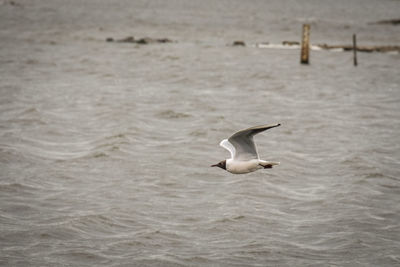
244	143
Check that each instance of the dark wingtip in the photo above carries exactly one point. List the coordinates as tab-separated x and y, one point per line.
274	125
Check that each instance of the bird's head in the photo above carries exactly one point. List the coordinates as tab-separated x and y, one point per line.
221	164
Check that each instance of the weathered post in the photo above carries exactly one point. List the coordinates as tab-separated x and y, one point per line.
355	50
305	45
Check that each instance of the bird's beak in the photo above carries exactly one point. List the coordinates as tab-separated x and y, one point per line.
214	165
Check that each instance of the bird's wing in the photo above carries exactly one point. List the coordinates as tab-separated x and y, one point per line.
243	142
228	146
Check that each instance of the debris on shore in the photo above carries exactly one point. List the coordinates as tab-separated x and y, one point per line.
283	45
290	43
142	41
360	48
369	49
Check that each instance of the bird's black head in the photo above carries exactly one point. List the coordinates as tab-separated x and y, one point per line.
221	164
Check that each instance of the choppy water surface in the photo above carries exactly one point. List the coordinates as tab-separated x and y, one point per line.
105	147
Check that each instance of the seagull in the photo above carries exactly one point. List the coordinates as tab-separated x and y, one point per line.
244	156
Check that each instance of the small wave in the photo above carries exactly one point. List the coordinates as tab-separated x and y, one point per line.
231	219
97	224
16	188
374	175
162	235
199	133
157	262
102	147
21	210
28	116
170	114
81	257
97	155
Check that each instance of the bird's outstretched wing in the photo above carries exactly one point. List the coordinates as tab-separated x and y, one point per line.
243	143
228	146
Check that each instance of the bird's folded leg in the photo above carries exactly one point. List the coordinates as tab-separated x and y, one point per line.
266	166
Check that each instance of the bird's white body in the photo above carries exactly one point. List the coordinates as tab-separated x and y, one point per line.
239	167
246	166
244	156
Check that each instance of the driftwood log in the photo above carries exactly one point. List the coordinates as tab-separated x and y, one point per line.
388	21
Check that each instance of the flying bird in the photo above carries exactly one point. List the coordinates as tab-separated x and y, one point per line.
244	156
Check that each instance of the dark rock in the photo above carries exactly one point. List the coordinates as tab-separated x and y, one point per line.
164	40
129	39
148	40
145	40
239	43
110	39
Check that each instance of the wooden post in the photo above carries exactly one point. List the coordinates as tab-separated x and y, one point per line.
305	45
355	50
